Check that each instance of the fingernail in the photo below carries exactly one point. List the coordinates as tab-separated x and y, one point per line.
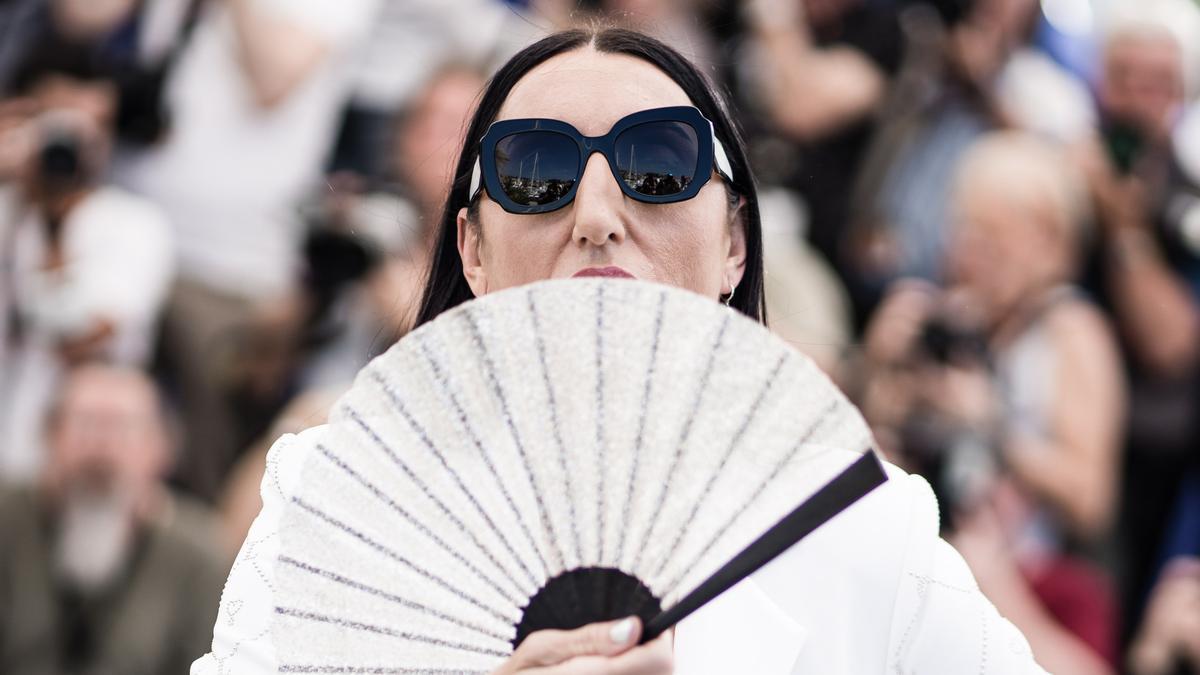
621	632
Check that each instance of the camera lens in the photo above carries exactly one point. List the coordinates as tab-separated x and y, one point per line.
59	159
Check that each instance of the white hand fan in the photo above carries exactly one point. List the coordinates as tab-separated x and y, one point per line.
547	456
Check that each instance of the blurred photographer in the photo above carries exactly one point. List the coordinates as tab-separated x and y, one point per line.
86	265
367	249
1005	389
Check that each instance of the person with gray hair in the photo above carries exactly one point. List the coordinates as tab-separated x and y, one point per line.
1146	190
1005	390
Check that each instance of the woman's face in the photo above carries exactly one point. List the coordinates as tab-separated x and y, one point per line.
691	244
1001	248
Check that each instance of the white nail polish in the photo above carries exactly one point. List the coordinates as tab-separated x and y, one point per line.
621	632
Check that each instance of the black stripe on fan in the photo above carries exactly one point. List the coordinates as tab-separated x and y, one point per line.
562	450
685	433
863	476
417	428
421	527
498	391
390	597
637	448
376	670
465	421
751	413
600	458
387	449
384	630
758	490
380	548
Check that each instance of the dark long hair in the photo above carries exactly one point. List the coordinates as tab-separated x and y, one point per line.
445	287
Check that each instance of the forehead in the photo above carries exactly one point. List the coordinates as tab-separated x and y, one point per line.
1144	48
105	393
591	90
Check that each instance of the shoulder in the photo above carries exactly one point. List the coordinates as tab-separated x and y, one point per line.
840	583
940	621
1076	317
1084	336
879	591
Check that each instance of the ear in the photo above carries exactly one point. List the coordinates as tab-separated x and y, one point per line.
470	240
735	257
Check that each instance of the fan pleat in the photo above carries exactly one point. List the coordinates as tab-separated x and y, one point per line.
352	625
685	433
556	430
489	368
639	442
421	527
445	510
755	495
391	597
714	475
402	560
484	453
601	463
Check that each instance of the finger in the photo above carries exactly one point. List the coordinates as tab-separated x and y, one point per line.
552	647
653	658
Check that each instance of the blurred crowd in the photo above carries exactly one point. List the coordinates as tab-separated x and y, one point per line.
982	220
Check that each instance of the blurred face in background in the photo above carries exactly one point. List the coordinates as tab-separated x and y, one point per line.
108	449
1142	81
428	140
1012	237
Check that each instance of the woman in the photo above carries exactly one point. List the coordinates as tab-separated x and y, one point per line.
878	592
1005	389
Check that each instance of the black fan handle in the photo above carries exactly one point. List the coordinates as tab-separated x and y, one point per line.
864	475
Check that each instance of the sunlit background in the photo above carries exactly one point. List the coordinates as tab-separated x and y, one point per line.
982	220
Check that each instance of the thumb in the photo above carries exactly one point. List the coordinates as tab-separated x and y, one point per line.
552	647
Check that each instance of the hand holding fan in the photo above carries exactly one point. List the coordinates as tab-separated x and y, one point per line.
550	456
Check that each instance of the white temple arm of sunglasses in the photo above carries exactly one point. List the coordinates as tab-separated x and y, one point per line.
719	157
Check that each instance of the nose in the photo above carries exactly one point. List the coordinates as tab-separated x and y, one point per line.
599	207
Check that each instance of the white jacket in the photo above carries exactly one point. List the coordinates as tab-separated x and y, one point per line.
874	590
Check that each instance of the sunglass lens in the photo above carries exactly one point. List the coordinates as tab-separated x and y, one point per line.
537	167
658	158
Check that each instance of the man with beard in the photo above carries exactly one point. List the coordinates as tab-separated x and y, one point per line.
102	570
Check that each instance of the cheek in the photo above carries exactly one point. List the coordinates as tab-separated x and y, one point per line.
521	249
685	244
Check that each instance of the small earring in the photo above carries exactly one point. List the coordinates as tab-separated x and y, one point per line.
732	288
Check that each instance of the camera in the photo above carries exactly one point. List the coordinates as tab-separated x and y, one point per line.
950	342
60	158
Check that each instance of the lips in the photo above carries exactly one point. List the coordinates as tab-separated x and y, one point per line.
610	272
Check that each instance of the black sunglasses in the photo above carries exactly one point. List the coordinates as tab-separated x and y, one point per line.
657	156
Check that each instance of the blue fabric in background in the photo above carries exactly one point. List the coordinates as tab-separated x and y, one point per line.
1183	533
1077	53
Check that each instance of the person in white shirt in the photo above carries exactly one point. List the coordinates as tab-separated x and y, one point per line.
254	100
87	265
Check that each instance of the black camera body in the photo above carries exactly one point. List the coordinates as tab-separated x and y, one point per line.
60	159
949	342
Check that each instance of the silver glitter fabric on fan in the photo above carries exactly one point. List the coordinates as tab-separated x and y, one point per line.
542	429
